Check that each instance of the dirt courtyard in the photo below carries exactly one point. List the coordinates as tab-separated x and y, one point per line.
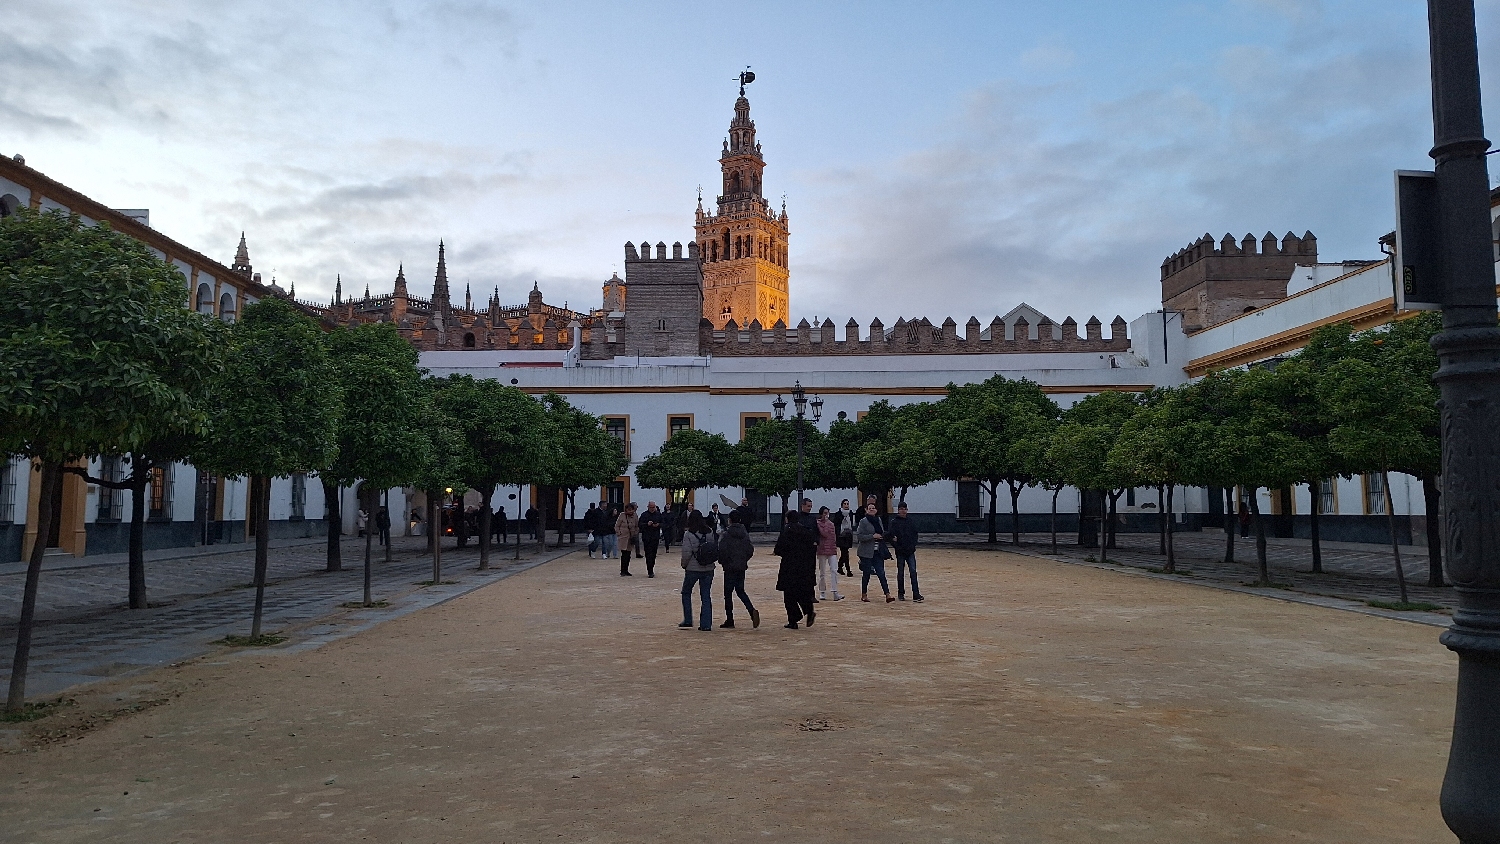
1025	701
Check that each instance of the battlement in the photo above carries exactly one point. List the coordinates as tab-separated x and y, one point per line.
631	255
905	337
1204	247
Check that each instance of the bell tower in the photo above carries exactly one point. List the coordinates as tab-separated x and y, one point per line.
743	245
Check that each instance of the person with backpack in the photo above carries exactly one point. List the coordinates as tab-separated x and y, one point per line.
735	551
591	525
870	546
700	551
797	547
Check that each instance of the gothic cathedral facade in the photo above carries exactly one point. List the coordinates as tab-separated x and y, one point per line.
744	245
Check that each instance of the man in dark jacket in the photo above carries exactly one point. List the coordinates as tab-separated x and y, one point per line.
902	535
668	527
650	527
735	551
500	524
797	578
744	513
591	525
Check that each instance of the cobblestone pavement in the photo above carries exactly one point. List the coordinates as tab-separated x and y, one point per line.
85	633
1354	573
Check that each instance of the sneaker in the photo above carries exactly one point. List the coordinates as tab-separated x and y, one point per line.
791	626
685	625
706	629
728	624
918	599
838	597
754	618
902	598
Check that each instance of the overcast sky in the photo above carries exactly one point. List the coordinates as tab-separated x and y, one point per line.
938	158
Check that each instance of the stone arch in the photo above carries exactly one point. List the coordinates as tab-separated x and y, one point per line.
468	340
9	204
226	307
205	303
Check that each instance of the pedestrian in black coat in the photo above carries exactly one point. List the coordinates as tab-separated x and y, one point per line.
797	578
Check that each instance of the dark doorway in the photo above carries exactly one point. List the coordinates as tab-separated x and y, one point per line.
54	534
757	507
614	493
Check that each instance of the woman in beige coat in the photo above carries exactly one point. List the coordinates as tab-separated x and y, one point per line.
628	531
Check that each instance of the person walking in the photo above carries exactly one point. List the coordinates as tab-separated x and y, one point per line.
700	550
828	575
668	527
870	547
746	516
383	525
903	537
845	521
606	530
500	524
735	551
650	524
531	516
627	531
716	519
797	577
591	526
361	520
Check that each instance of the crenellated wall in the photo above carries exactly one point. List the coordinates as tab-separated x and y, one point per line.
1211	282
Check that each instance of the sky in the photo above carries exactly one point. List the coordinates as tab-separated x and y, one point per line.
937	158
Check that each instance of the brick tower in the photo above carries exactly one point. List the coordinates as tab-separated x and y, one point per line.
744	245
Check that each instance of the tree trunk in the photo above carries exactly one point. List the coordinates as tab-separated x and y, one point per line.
1171	546
994	493
573	516
1161	519
437	540
51	476
1231	522
1015	513
1315	493
485	494
541	522
139	474
335	523
432	519
260	493
1260	538
1390	515
1054	520
519	520
371	500
1433	499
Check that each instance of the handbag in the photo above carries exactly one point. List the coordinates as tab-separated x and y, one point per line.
882	552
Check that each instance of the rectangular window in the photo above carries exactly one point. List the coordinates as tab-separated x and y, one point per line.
750	420
111	501
7	491
678	423
1130	497
968	500
1328	501
299	495
1375	495
619	428
159	493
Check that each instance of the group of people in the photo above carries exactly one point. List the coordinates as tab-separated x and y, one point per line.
813	549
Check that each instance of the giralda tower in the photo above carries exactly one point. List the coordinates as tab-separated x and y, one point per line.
744	244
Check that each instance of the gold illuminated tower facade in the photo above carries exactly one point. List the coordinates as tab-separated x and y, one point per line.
743	245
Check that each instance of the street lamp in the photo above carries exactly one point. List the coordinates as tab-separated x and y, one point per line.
1468	374
799	398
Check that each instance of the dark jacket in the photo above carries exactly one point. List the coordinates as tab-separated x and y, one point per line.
606	524
650	524
736	549
903	534
798	549
591	519
744	513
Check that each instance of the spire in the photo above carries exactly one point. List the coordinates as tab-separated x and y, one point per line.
338	290
401	280
292	293
367	291
241	263
440	281
468	298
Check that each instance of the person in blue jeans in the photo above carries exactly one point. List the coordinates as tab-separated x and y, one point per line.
696	573
870	546
903	536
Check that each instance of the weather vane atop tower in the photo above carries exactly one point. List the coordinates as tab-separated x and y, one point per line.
746	77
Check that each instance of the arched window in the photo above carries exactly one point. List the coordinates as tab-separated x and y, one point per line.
8	205
469	340
726	244
715	251
205	299
734	184
226	308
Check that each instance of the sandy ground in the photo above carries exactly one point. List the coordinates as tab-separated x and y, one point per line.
1026	701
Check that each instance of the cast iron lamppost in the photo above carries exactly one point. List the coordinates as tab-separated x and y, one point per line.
799	398
1468	350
